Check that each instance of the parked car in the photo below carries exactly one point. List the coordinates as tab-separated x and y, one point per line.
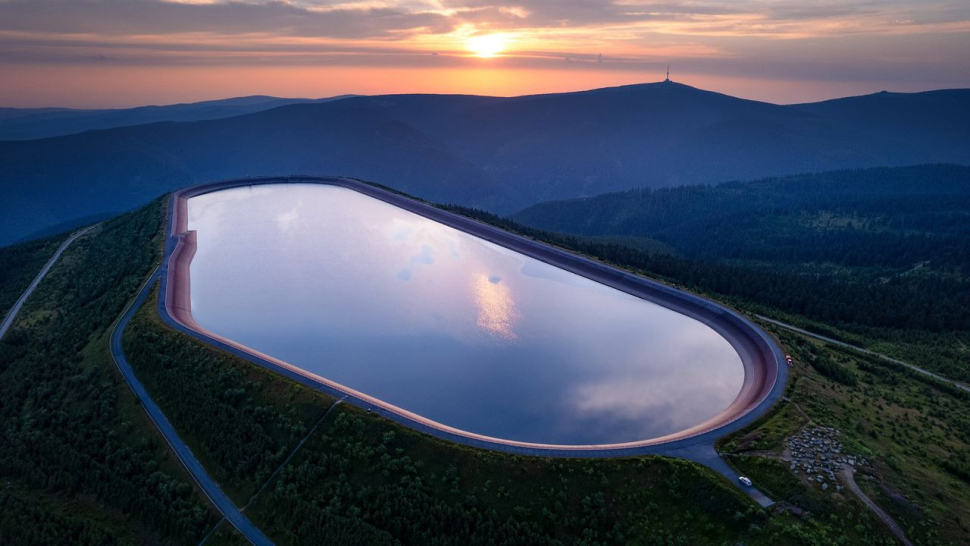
745	481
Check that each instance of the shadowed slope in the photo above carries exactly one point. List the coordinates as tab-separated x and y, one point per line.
500	154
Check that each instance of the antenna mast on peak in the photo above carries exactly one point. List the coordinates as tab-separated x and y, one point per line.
668	74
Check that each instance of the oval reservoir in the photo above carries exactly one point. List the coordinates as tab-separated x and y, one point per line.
443	324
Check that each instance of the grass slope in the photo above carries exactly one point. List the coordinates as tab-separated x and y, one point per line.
916	432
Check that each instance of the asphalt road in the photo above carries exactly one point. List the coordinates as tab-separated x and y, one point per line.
8	320
957	384
208	486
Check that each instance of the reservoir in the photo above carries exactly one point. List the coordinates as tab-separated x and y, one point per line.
448	326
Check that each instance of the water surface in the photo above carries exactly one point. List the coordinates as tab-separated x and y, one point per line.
446	325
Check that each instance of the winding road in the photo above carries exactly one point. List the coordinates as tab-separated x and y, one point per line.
208	486
8	320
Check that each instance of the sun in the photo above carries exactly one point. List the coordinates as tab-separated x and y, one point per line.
487	45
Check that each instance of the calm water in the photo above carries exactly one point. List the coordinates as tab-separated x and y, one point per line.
446	325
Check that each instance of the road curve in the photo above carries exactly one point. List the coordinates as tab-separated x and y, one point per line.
765	369
208	486
12	314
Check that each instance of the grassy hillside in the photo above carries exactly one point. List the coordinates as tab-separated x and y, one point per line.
915	431
245	421
79	460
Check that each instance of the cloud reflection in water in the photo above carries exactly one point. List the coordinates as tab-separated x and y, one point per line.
496	308
446	325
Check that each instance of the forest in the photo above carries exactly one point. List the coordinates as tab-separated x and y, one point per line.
80	462
364	480
886	248
19	264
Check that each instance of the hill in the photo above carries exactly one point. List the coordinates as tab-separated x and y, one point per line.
35	123
937	123
500	154
922	210
884	247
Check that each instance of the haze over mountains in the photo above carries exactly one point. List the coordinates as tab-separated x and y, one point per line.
499	154
34	123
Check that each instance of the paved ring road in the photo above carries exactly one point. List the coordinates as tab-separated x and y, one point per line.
211	489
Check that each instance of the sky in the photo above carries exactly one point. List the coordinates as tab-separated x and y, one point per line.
119	53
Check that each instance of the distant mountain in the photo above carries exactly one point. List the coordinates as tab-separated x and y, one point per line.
934	124
499	154
35	123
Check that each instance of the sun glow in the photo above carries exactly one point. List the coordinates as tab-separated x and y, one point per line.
487	45
496	307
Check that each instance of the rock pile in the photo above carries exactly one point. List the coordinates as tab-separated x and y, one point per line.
818	453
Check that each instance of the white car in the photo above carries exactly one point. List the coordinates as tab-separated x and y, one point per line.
745	481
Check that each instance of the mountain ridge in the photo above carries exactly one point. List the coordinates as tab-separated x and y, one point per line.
39	123
495	153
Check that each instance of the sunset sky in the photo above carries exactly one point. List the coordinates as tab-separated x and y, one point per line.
113	53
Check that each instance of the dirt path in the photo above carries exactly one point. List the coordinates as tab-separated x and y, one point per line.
848	473
848	477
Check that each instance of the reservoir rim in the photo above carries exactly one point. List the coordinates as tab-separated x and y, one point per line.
765	369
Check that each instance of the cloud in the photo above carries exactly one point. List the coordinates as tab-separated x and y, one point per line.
394	20
160	17
779	39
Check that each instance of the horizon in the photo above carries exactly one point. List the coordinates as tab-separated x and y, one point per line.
118	54
350	95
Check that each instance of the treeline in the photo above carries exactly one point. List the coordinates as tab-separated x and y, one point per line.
363	480
360	479
879	247
68	425
891	217
215	404
932	304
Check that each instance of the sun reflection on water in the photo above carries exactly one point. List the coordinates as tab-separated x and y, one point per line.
496	308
